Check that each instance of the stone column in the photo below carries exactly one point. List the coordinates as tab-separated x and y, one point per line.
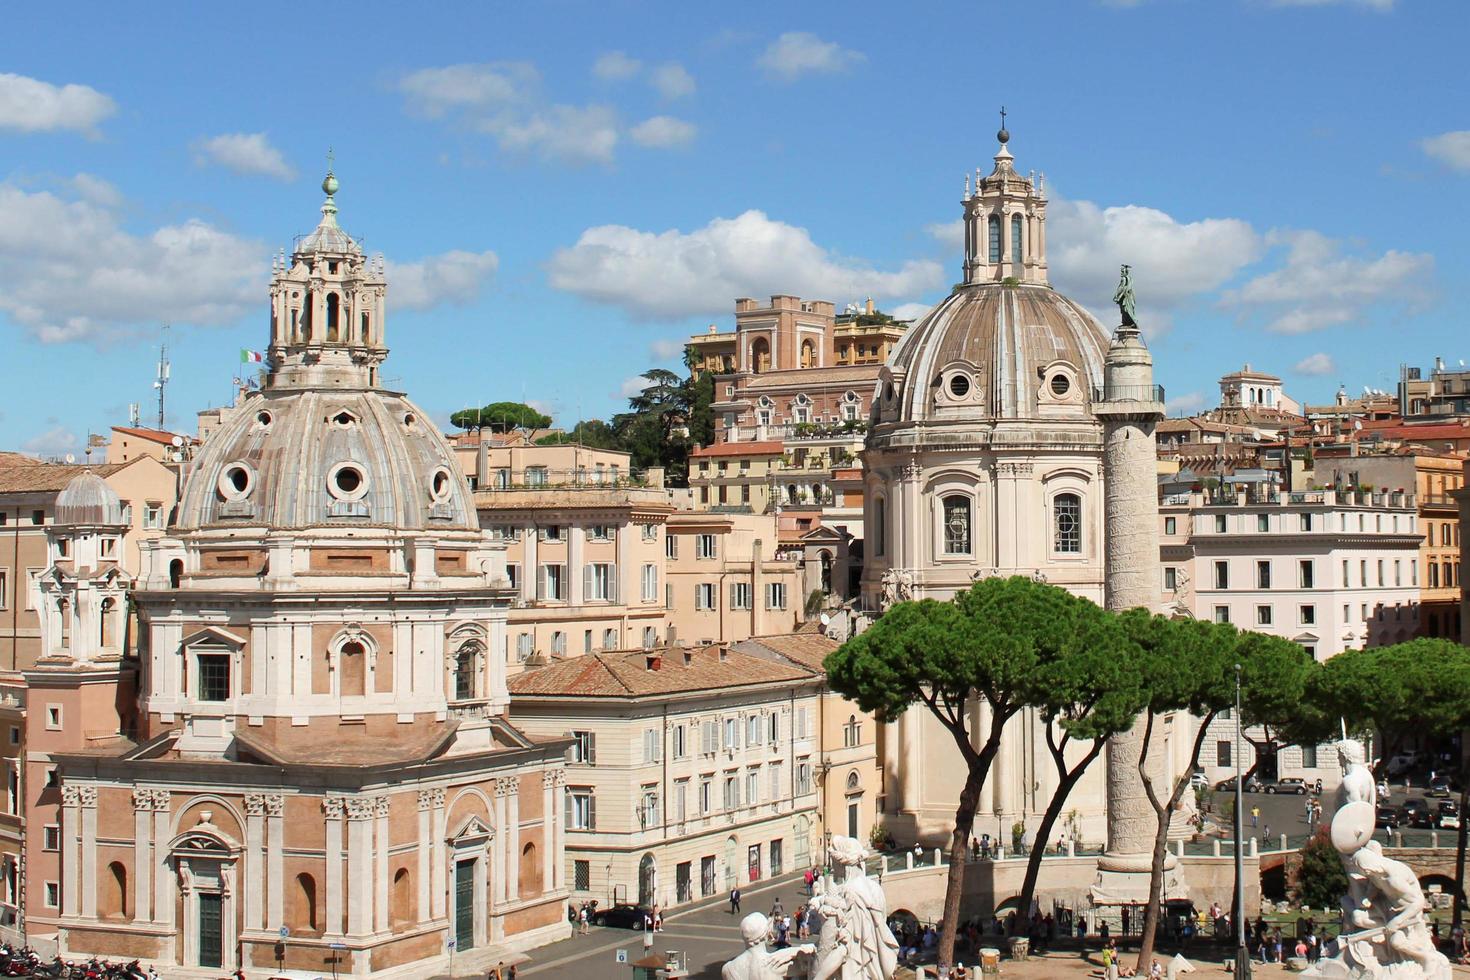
1129	411
275	837
254	859
512	868
500	885
359	865
381	870
439	862
163	878
333	806
88	796
425	849
558	824
142	854
71	800
549	809
576	561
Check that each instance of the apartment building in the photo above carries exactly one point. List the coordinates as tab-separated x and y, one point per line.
692	769
1331	570
725	579
585	548
849	778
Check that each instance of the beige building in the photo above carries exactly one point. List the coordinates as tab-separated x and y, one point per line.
692	768
724	579
849	779
128	443
584	540
737	477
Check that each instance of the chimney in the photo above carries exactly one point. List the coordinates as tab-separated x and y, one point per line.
868	307
724	650
654	660
688	656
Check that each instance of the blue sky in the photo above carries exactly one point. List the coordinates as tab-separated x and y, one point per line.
564	191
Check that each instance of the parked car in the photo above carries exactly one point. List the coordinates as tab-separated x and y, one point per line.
621	916
1252	785
1199	781
1448	814
1403	762
1416	813
1389	816
1439	786
1289	785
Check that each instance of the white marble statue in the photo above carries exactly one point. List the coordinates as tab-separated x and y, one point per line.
758	962
1385	931
854	941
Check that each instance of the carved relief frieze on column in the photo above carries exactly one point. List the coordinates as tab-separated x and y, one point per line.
255	804
505	785
87	796
333	806
430	799
360	808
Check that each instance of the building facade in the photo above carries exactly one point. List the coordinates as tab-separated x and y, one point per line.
317	771
725	578
693	769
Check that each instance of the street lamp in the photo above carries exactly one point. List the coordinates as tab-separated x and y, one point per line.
1242	954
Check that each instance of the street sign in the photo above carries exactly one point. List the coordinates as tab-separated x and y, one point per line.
285	932
451	944
622	956
337	946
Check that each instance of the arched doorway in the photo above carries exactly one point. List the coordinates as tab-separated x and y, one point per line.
732	861
204	861
760	355
647	879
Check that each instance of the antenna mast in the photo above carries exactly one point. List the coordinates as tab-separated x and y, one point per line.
162	380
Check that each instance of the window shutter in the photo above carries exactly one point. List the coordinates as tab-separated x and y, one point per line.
591	811
592	748
586	581
658	745
541	581
612	583
566	803
734	596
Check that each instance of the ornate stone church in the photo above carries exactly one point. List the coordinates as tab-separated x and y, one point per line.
315	770
1009	436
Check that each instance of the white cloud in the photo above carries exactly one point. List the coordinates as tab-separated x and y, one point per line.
797	53
1383	6
632	386
1315	364
951	234
93	188
70	272
1173	261
244	153
435	92
33	106
1186	404
674	274
663	132
58	440
454	277
666	350
1319	287
615	66
1451	149
672	81
910	311
571	134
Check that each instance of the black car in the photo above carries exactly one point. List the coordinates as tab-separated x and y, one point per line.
1439	786
621	916
1252	785
1416	813
1390	816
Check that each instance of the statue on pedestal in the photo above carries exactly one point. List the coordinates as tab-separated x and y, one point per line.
1124	297
854	941
757	962
1385	930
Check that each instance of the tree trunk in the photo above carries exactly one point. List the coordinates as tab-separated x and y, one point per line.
1067	780
959	848
1460	850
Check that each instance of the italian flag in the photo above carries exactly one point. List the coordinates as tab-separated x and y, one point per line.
250	356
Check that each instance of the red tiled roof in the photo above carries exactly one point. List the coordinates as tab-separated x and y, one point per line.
34	476
768	448
152	435
807	649
627	675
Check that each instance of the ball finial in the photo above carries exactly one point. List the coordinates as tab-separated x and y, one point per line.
1004	135
329	184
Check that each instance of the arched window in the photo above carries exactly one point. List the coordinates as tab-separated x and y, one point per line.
1067	524
365	322
530	871
466	669
1018	250
401	901
956	525
332	308
104	623
760	355
880	526
994	238
808	354
175	573
352	666
305	902
63	609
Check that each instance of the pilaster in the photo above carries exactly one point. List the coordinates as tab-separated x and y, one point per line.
71	800
359	865
255	877
333	807
88	801
380	853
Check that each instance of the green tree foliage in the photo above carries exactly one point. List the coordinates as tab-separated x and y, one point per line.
999	640
500	417
1321	880
592	433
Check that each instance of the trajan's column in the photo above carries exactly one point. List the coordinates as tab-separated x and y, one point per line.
1130	407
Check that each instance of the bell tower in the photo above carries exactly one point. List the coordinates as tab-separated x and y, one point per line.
327	309
1005	222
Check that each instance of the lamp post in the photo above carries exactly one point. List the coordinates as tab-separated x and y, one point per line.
1242	954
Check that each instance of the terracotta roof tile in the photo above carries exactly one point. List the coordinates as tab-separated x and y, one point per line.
152	435
37	477
769	448
808	649
679	671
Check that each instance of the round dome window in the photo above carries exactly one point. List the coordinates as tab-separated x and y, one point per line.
959	386
346	481
236	481
1060	385
264	418
440	485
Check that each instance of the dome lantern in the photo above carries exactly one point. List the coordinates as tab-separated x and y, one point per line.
1005	223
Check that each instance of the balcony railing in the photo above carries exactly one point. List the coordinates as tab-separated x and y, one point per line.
1128	393
545	478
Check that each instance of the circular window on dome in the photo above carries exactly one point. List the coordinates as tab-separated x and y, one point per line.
264	418
959	385
408	420
440	484
346	481
1060	385
236	481
344	418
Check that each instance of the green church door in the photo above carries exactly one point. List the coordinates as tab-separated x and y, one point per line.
211	947
464	905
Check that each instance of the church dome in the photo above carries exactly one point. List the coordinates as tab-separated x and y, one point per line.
88	501
992	351
295	458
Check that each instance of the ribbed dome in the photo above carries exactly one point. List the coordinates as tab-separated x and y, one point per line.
87	500
300	458
998	339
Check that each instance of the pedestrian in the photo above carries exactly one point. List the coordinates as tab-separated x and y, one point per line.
582	920
510	972
648	936
658	919
777	909
735	900
496	973
1310	806
1265	833
810	879
1255	815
